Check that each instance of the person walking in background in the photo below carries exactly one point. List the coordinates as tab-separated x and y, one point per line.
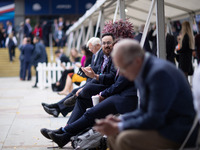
170	46
21	58
37	31
27	51
39	56
186	48
2	35
27	28
59	37
9	28
11	43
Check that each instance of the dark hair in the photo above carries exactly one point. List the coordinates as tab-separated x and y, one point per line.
108	34
57	51
88	53
37	38
28	40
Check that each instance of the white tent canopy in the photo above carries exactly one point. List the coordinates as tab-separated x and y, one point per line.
137	11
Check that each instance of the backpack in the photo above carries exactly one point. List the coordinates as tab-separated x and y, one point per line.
11	43
89	139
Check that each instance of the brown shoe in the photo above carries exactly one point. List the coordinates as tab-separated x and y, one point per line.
70	101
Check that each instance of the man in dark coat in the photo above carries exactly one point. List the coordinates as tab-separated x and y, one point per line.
39	56
165	114
27	51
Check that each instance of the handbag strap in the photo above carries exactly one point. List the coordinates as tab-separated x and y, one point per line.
190	132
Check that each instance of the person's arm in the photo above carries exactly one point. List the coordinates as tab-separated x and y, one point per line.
7	40
15	40
108	79
161	94
120	84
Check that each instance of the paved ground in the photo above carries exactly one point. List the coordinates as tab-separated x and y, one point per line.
22	116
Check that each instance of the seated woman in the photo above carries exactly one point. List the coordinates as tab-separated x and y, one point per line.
74	59
74	77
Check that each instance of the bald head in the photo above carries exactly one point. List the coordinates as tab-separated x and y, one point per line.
128	56
127	50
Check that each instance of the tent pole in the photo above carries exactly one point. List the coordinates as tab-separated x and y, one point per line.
98	22
116	10
102	23
122	10
89	30
79	38
147	23
160	28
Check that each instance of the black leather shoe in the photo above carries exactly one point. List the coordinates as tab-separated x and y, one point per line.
45	132
34	86
52	111
71	101
60	139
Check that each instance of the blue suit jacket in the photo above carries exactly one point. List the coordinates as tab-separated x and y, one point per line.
166	102
27	51
39	54
109	72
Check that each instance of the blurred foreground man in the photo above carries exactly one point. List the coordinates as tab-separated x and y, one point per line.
166	112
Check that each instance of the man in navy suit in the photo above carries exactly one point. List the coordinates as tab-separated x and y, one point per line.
39	56
121	97
165	114
55	109
27	51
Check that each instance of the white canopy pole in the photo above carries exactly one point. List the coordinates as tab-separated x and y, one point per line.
116	10
147	23
102	23
83	36
89	30
79	38
160	28
122	9
98	22
76	37
71	36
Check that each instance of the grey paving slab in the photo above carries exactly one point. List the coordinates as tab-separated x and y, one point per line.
22	116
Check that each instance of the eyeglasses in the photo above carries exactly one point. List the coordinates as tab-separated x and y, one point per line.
108	43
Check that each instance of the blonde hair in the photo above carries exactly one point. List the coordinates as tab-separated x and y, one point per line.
186	29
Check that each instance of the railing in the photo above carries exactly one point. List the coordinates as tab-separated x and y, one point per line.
50	73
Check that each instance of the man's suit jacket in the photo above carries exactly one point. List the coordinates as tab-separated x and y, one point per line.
99	59
109	72
166	103
27	51
27	33
39	54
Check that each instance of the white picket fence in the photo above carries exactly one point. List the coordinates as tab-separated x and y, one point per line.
50	73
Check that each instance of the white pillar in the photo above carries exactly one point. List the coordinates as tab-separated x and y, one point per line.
98	22
160	28
147	23
79	38
89	30
122	9
116	11
102	23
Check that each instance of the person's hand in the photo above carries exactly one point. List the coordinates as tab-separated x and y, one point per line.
77	93
101	98
88	72
113	118
106	127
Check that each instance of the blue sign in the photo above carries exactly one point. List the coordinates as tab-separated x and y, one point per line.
84	5
63	6
40	7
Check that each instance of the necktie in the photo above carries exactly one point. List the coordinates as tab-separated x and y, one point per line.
105	62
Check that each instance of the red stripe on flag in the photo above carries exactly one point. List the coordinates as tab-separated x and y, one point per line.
7	10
